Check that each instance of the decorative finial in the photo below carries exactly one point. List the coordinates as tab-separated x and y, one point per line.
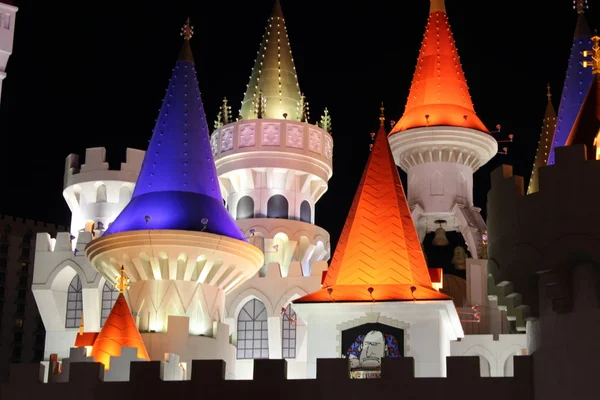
122	281
594	54
580	6
548	93
187	30
382	115
81	324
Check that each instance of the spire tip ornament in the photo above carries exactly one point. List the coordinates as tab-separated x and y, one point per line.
122	281
187	30
580	6
382	115
594	54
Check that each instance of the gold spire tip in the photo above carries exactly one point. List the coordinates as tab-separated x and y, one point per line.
437	6
382	115
548	92
122	281
187	30
580	6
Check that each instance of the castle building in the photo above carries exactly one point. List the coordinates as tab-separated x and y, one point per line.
198	264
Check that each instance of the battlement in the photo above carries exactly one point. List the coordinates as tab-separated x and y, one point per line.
333	379
96	168
533	234
24	223
62	243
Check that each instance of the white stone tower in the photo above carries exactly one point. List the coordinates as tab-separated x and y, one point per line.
8	16
179	246
96	195
439	141
273	165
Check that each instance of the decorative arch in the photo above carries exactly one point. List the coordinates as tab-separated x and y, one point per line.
483	353
507	359
244	297
373	317
305	212
278	207
244	208
291	295
61	276
125	194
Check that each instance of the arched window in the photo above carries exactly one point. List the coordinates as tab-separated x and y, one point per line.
277	207
245	208
101	194
109	296
253	331
305	212
74	303
288	333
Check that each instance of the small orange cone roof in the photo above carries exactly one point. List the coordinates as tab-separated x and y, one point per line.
118	331
439	95
378	256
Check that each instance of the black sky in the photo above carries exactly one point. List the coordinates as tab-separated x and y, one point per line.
83	75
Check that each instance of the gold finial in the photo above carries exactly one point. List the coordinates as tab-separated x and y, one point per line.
382	115
122	281
187	30
594	54
580	6
548	93
81	324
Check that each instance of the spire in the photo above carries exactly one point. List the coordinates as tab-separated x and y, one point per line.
118	331
543	150
382	116
177	187
378	256
577	81
439	95
274	75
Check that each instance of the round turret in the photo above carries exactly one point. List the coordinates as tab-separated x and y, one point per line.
272	173
94	193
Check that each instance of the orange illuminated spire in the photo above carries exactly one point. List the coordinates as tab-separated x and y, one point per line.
439	95
378	256
118	331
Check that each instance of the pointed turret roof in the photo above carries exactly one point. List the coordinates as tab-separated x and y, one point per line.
274	76
439	95
177	187
577	82
543	150
378	256
118	331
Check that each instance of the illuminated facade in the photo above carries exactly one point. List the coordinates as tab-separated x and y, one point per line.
213	254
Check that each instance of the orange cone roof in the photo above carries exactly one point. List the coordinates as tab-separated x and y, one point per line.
379	248
439	95
118	331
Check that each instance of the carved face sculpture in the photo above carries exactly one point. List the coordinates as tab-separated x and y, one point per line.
373	350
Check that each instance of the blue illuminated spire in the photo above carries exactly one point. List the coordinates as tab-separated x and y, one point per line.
577	82
178	186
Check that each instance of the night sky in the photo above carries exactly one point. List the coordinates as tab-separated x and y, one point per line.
86	76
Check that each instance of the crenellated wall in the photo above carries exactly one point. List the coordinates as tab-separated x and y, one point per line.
96	194
269	379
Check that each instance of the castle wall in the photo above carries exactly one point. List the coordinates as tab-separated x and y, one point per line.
332	379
